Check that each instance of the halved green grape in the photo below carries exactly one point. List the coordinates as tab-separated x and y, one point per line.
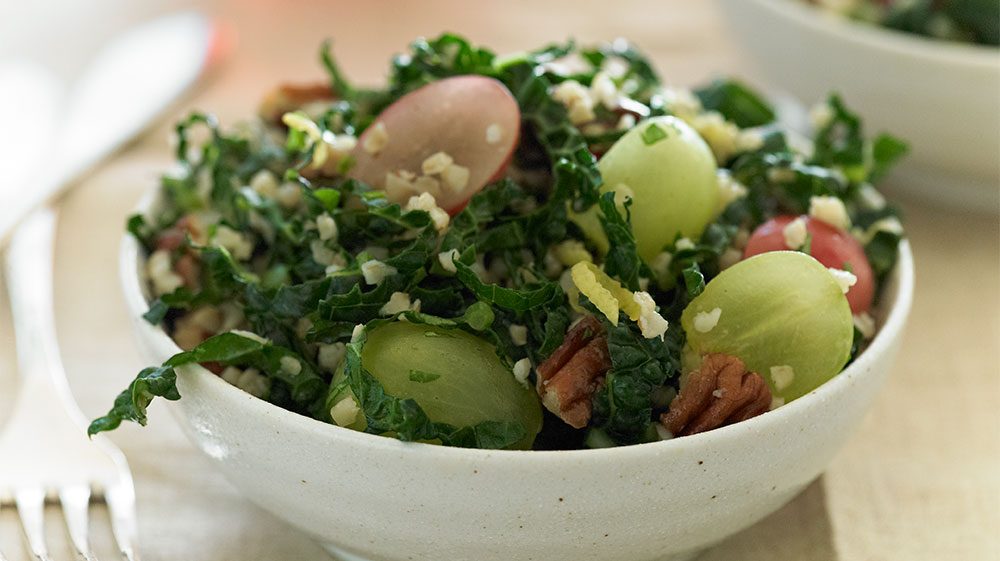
670	173
782	313
455	377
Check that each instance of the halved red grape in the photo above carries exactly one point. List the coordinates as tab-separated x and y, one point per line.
830	246
473	119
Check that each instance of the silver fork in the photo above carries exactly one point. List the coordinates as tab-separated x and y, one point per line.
44	450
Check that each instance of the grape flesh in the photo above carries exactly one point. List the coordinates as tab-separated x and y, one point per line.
670	173
777	309
455	377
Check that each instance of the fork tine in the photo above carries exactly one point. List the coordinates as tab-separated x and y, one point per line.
120	498
75	500
31	508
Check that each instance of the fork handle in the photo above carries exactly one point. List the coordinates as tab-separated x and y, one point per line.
29	285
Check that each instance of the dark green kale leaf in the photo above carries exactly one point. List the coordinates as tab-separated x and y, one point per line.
882	252
736	102
131	404
623	406
228	349
574	166
622	261
840	143
981	17
887	150
432	60
141	230
513	299
639	71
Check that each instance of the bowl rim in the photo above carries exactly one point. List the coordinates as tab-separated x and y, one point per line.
900	43
134	294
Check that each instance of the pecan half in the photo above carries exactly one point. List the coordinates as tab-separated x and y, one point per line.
289	97
174	236
569	377
721	393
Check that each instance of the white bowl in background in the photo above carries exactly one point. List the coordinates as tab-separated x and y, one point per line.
368	497
942	97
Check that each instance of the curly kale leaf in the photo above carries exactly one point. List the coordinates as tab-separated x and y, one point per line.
431	60
840	143
305	386
131	404
736	102
623	407
622	261
574	166
509	298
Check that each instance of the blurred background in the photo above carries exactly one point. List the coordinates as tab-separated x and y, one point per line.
921	480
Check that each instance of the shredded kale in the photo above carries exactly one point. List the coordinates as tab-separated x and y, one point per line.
305	387
623	407
622	260
736	102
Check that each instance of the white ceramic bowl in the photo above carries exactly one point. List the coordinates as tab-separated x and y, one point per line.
376	498
942	97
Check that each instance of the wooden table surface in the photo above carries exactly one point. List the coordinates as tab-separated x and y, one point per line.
919	481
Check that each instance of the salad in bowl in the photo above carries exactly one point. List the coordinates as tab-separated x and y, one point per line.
971	21
547	250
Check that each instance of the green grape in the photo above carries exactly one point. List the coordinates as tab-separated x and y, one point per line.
778	309
455	377
670	172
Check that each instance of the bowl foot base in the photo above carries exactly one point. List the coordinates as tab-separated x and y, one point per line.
341	555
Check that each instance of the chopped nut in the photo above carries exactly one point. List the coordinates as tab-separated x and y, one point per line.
455	177
376	139
345	412
684	244
795	234
375	271
436	163
447	260
577	100
290	365
399	302
521	370
327	227
729	189
865	323
845	279
569	377
399	187
289	195
706	321
571	252
329	356
264	183
161	274
782	376
830	210
651	323
722	392
518	334
427	184
493	133
729	258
